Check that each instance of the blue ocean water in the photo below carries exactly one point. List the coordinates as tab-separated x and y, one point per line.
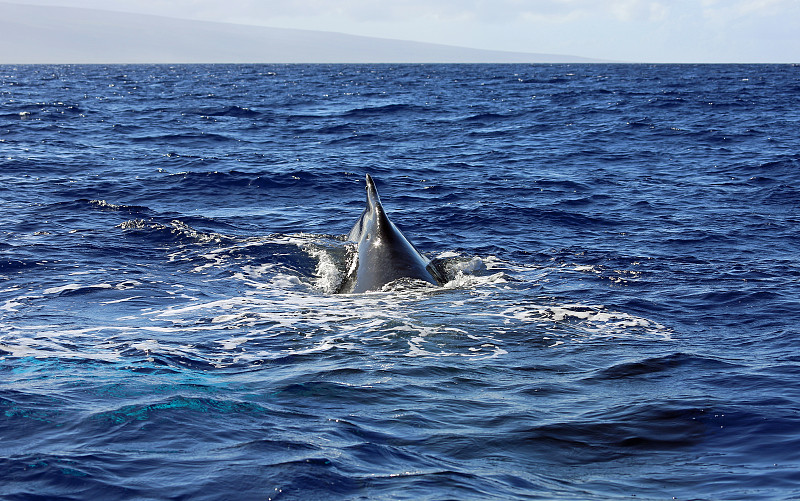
620	318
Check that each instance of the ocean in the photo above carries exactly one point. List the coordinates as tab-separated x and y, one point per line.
619	318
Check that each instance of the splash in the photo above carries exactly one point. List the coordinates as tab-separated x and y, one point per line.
230	308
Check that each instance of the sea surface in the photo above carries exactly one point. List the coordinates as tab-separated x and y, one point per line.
620	319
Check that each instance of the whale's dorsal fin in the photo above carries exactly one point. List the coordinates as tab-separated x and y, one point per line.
372	193
384	253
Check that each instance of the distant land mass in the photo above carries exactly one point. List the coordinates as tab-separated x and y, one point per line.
58	35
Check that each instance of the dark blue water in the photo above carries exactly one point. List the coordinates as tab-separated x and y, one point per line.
620	318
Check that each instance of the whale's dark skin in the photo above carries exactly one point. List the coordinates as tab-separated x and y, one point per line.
384	253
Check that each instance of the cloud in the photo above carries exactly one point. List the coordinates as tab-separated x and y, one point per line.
735	9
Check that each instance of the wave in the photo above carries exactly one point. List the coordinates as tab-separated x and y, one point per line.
508	217
76	289
345	128
187	139
388	109
176	232
552	80
16	265
357	138
268	181
738	298
487	117
620	432
21	115
129	209
226	111
661	366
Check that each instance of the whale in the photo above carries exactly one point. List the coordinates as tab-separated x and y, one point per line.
382	253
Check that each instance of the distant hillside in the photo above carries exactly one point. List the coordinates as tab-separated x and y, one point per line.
36	34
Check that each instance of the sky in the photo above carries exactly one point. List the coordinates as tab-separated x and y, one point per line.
619	30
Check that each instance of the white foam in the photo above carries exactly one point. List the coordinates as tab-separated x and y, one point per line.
11	305
271	313
123	300
104	204
589	321
328	273
58	290
233	343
